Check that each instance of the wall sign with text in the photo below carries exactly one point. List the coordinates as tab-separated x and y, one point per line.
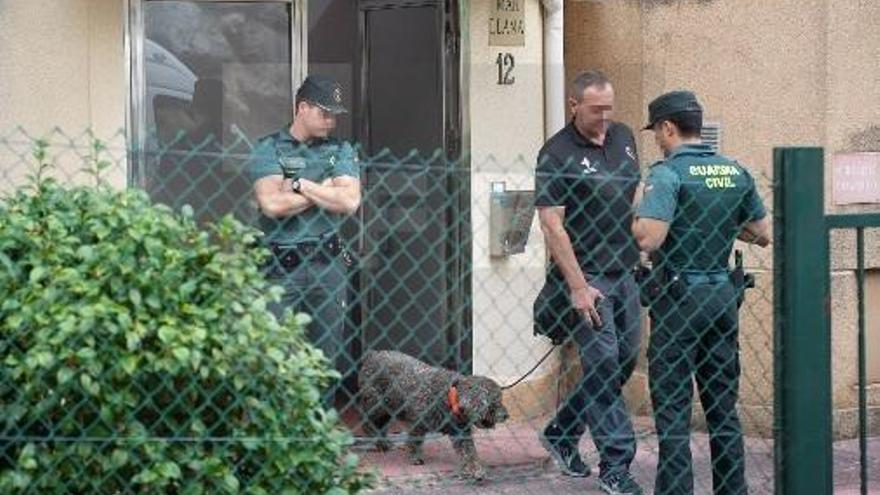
856	178
507	23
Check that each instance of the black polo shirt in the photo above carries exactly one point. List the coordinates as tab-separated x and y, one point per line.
596	185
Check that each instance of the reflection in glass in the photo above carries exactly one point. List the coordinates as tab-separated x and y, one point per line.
333	42
218	77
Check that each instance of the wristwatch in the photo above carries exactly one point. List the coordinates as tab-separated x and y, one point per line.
296	185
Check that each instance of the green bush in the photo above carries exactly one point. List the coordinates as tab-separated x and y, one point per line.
137	356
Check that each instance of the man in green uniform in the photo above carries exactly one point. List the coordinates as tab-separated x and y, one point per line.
692	206
305	182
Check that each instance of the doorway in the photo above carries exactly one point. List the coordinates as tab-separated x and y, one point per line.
415	298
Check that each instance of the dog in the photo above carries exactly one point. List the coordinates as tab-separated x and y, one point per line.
394	385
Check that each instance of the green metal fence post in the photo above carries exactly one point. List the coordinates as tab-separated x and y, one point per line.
802	324
863	399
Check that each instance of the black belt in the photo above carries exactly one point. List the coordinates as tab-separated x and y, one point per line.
655	283
289	256
705	278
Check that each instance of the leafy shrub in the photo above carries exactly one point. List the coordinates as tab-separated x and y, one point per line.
137	356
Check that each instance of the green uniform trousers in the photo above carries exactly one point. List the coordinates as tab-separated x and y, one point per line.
695	335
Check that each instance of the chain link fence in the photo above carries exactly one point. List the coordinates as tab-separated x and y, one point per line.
440	264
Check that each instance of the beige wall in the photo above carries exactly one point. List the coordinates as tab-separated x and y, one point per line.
853	78
872	322
800	76
62	65
506	132
608	37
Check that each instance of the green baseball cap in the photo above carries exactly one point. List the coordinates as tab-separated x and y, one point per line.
323	92
669	104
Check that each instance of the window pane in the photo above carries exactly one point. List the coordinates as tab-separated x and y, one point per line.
333	41
218	77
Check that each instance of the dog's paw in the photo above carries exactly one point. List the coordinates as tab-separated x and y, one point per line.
474	472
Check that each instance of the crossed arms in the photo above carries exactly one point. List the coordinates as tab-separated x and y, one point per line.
277	199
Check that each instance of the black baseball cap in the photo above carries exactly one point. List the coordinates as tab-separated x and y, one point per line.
669	104
323	92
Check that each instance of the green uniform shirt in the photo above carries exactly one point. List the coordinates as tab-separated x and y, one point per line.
706	199
316	160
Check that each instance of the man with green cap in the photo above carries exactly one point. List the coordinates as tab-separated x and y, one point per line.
305	183
690	209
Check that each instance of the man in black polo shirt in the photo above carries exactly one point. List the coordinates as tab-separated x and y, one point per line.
586	178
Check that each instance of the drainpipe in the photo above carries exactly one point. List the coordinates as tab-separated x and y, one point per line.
554	110
554	67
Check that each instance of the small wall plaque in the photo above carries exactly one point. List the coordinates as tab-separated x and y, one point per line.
856	178
507	23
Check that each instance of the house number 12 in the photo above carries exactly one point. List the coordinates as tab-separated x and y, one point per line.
505	65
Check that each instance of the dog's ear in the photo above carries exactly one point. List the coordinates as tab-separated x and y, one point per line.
479	397
470	402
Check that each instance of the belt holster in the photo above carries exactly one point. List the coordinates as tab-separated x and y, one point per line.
654	283
649	286
740	279
291	256
674	285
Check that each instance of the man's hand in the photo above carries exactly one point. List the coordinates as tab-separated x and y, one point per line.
305	185
586	301
756	232
276	199
340	194
308	185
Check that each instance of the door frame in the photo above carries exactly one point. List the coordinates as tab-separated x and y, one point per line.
133	46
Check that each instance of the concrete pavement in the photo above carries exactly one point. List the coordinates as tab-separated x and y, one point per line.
518	465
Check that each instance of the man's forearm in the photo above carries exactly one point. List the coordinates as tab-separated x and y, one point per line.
649	233
563	255
756	232
276	199
286	204
750	237
336	198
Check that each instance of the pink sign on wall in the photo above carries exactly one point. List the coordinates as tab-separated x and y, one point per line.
856	178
